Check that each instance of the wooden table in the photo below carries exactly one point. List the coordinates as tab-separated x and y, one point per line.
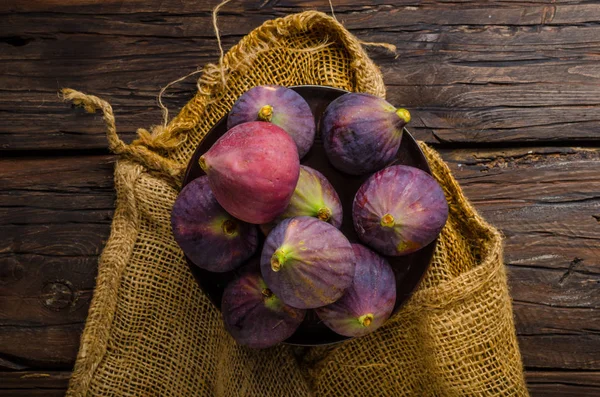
509	94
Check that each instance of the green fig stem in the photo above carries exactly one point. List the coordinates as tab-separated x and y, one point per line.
403	114
265	113
278	259
324	214
366	319
203	164
229	227
267	293
387	220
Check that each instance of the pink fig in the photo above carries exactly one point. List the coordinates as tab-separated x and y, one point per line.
253	170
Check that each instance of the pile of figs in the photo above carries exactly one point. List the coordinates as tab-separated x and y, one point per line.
276	223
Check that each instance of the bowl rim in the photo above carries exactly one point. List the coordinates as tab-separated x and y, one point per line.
416	281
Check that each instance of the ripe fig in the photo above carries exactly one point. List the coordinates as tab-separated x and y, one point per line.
399	210
209	236
314	196
368	302
362	132
253	170
307	263
255	316
281	106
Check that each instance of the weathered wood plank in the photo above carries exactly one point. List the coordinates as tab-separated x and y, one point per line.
466	76
559	383
544	200
540	318
234	21
47	346
568	9
540	383
55	216
35	379
34	383
566	352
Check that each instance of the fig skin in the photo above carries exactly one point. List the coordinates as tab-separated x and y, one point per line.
253	170
399	210
281	106
256	317
307	262
362	132
210	237
368	302
314	196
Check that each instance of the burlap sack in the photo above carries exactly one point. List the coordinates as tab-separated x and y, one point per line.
152	332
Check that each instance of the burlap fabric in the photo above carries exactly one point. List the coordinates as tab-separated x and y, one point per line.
152	332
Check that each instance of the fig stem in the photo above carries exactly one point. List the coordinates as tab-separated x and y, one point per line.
229	227
278	259
203	165
267	293
324	214
366	319
403	114
265	113
387	220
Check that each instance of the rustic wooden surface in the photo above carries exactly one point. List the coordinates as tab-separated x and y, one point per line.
508	92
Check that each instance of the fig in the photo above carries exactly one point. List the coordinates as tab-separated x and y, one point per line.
279	105
314	196
399	210
368	302
209	236
362	132
306	262
256	317
253	170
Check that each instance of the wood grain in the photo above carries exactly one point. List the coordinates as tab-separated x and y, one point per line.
481	79
470	73
542	383
34	383
560	384
55	216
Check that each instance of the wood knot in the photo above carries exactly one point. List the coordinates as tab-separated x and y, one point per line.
58	295
11	272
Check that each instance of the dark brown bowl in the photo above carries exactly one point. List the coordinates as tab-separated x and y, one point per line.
409	269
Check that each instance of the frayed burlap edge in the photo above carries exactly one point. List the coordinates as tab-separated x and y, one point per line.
113	261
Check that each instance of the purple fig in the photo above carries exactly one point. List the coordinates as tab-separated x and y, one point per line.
279	105
368	302
314	196
253	170
362	132
255	316
399	210
306	262
209	236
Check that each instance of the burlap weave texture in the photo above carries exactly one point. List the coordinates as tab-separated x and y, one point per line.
152	332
